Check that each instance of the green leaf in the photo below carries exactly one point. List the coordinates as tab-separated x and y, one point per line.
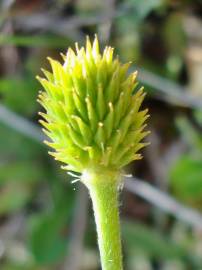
14	196
189	134
174	34
25	89
143	8
50	41
48	237
150	241
17	182
186	179
19	146
48	244
21	171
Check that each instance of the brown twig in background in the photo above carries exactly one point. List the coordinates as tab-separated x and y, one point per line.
104	28
164	202
9	54
168	90
9	231
54	23
155	161
20	124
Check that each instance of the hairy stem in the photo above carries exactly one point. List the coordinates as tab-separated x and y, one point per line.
103	189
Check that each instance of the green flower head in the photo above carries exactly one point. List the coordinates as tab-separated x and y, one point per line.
93	115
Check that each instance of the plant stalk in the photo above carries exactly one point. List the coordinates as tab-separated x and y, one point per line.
103	189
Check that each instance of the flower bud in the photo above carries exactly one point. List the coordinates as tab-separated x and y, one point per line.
93	115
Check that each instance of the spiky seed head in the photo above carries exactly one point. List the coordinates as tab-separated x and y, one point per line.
93	115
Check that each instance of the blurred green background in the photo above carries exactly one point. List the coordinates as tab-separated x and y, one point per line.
46	222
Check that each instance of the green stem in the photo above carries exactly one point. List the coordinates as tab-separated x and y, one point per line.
103	189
